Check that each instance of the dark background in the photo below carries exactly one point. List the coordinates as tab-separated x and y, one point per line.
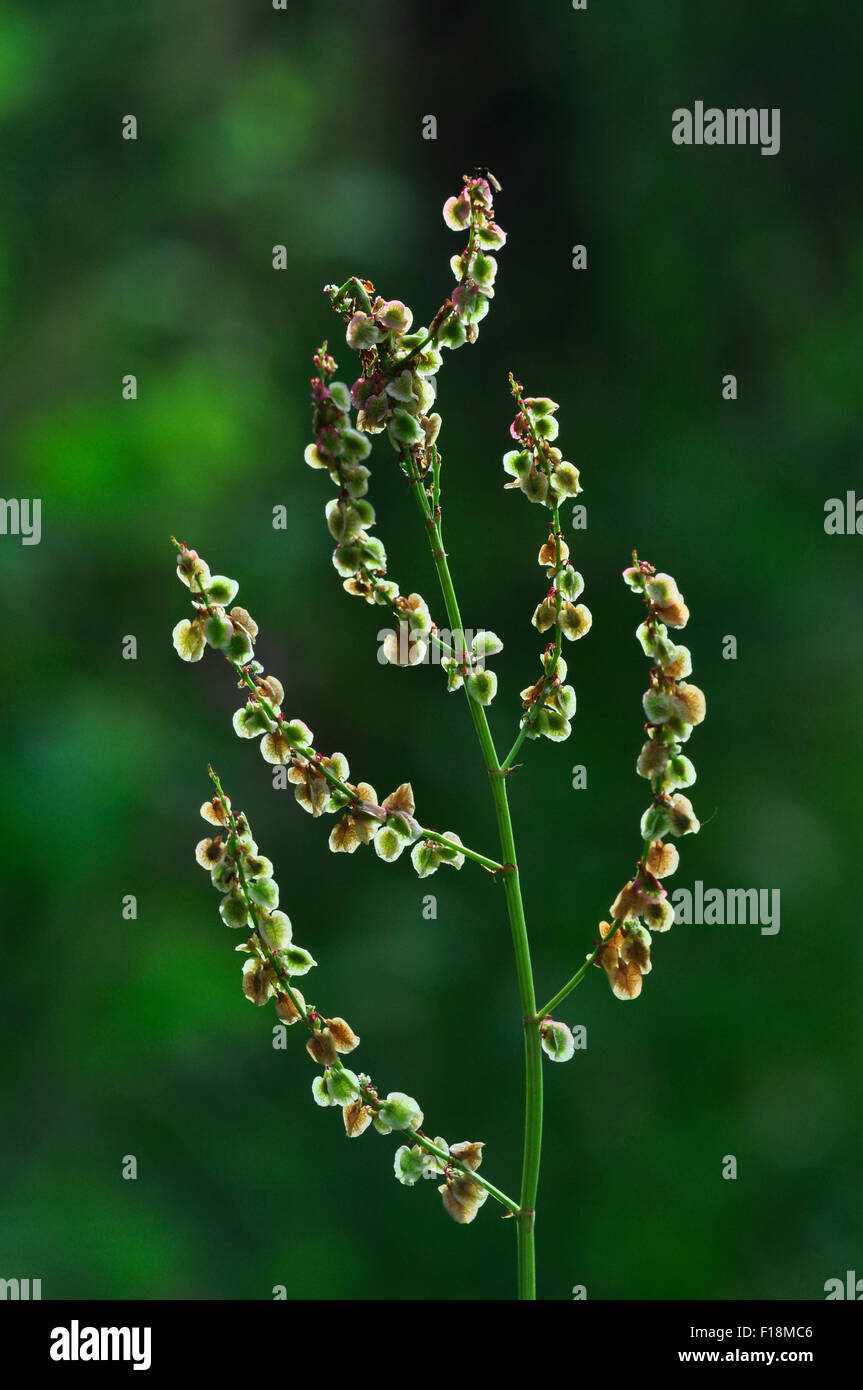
155	257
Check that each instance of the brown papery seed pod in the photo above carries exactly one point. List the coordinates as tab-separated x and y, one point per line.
357	1117
693	701
468	1152
286	1010
322	1047
662	859
344	1037
240	617
675	615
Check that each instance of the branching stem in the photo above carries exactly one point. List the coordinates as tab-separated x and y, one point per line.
515	905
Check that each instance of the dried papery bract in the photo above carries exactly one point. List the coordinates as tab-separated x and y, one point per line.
392	391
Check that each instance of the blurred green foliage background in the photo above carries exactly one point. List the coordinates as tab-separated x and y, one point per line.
259	127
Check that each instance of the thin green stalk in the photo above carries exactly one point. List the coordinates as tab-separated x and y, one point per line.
490	864
576	979
591	959
515	907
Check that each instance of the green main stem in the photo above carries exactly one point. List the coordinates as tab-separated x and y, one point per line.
526	1215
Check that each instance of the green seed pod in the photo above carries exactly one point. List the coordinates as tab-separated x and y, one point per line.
258	866
355	446
340	396
239	647
548	663
343	523
537	406
657	706
556	725
425	857
372	552
320	1093
388	845
400	1111
569	582
221	590
275	930
296	960
404	825
681	773
575	620
451	333
355	478
218	631
517	463
564	700
539	725
401	388
451	857
655	642
409	1165
565	480
546	426
534	485
299	733
347	558
482	686
343	1085
486	644
655	823
404	429
433	1166
454	677
662	590
557	1041
224	876
248	721
264	891
233	909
